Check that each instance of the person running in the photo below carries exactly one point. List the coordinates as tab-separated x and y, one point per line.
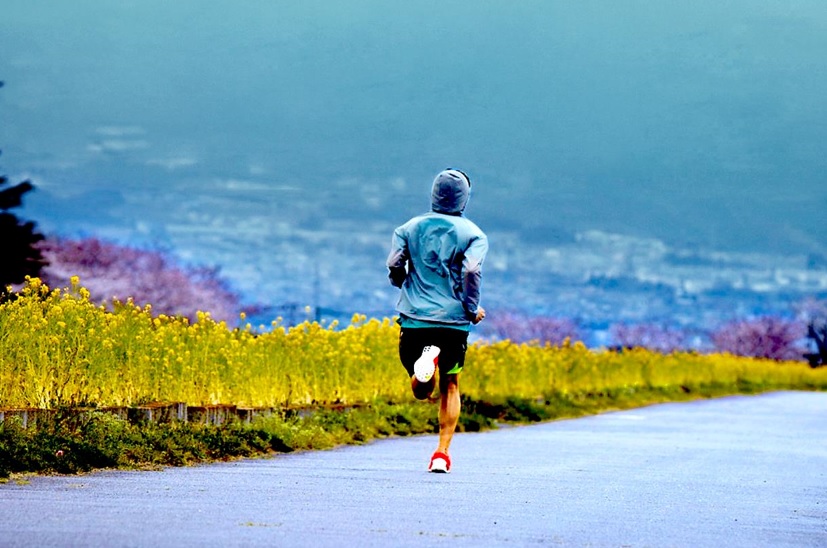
436	261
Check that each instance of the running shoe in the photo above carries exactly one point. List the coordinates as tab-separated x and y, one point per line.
425	366
440	463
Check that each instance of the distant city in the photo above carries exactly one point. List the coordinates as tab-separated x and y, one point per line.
599	279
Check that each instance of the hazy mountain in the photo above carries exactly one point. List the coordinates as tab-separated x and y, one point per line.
191	123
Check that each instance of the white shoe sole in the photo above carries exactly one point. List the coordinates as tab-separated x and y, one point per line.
425	366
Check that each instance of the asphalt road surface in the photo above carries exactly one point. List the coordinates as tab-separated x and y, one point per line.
742	471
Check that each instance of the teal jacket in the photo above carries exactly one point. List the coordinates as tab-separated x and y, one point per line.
436	258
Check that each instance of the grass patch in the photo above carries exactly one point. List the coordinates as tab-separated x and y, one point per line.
71	443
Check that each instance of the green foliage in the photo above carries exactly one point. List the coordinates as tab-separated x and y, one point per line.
73	442
18	239
58	350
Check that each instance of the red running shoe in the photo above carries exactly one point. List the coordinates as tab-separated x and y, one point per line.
440	463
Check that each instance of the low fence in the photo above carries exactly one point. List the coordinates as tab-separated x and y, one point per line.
163	412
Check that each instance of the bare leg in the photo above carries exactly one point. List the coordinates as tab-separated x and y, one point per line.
449	407
422	390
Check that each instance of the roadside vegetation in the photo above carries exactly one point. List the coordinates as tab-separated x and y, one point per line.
323	385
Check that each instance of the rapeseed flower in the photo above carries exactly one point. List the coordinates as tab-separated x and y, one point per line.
59	348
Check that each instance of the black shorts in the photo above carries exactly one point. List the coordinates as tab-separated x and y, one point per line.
452	345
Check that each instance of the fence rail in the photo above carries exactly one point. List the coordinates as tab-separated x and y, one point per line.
165	412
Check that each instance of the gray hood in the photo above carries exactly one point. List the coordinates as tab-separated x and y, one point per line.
450	192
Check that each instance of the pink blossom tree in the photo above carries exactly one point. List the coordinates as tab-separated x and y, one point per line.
521	328
811	310
765	337
114	272
652	336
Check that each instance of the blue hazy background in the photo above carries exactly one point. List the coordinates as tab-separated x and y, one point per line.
284	140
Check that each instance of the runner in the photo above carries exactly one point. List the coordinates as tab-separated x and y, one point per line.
436	260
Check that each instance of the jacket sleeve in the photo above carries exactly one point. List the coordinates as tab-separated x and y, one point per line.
472	275
398	259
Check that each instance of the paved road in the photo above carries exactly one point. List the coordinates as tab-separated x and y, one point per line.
742	471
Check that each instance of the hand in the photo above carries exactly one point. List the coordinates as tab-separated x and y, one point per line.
480	316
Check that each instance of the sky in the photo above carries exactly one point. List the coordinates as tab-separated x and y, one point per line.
699	123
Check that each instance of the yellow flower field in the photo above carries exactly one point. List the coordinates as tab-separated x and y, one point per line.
57	348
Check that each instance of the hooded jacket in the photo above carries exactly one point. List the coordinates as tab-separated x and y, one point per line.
436	258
